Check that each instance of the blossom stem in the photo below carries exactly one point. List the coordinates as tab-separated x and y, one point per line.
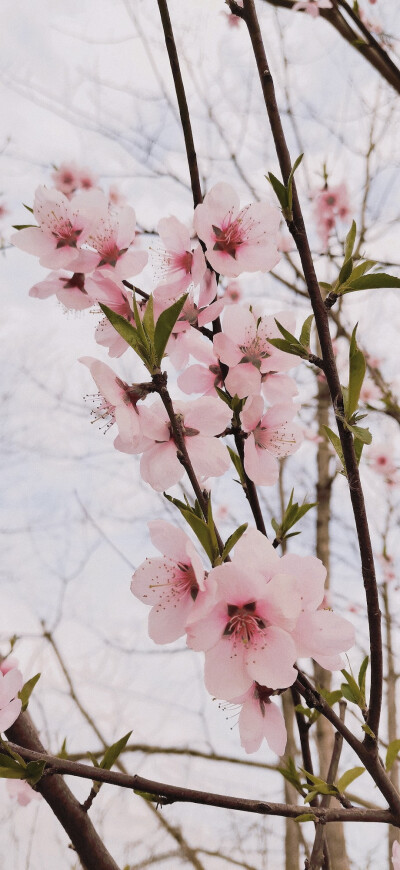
250	490
298	231
160	383
182	102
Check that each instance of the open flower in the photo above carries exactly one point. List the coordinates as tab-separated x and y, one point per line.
171	586
64	226
260	718
270	435
237	240
10	705
243	346
113	237
181	265
199	420
117	404
69	290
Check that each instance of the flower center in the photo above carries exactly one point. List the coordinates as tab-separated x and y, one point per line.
228	238
243	623
66	235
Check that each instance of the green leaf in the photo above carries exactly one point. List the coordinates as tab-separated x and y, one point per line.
362	674
330	697
139	325
23	226
296	350
361	269
325	286
335	441
372	282
111	754
63	751
165	325
93	759
27	690
350	241
197	524
368	730
238	465
305	817
306	332
290	180
345	272
232	540
290	773
28	208
128	333
392	753
357	368
351	690
34	771
10	768
279	189
359	432
347	778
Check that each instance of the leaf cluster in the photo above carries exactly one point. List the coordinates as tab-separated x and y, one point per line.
148	339
292	514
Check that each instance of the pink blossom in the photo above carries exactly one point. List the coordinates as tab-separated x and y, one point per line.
396	855
103	286
21	791
381	460
118	404
373	26
319	633
115	197
246	633
260	718
243	346
64	226
312	7
285	243
202	378
330	204
172	586
3	210
69	177
181	265
200	420
237	240
277	387
232	19
184	337
233	292
270	435
113	238
370	392
7	664
10	705
257	621
69	290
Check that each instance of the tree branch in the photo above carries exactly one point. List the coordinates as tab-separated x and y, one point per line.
167	794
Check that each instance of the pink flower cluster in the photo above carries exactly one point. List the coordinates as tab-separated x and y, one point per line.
252	617
312	7
11	682
330	204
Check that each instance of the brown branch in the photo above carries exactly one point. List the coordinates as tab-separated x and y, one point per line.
318	847
249	488
85	840
298	231
372	52
182	102
167	794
